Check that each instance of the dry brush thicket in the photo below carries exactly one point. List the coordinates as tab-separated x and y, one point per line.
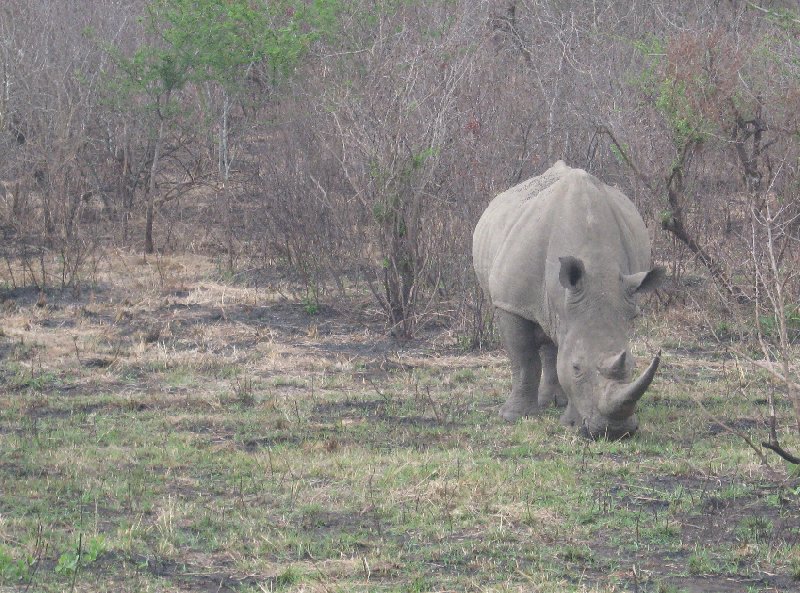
363	156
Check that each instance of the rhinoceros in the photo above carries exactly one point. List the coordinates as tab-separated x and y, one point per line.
562	257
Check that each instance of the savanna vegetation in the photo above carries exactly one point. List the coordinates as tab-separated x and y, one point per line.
242	346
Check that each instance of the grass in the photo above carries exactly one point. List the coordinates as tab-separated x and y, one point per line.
239	451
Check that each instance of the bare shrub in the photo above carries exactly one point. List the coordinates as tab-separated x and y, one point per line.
50	78
362	168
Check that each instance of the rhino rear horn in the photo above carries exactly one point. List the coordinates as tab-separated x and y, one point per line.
622	402
615	367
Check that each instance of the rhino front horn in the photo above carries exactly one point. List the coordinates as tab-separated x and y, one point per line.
622	402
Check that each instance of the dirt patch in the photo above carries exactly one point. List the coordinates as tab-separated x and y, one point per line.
257	444
118	406
197	578
17	470
728	584
702	514
391	428
349	408
741	425
344	522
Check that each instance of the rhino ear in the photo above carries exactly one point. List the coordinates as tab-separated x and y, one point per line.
572	273
644	281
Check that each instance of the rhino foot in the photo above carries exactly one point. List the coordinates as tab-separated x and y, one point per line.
514	410
552	395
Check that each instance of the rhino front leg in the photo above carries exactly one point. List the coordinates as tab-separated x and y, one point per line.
522	340
550	391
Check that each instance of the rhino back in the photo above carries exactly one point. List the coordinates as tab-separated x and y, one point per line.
501	215
518	240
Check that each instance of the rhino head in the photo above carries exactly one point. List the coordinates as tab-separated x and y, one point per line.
594	365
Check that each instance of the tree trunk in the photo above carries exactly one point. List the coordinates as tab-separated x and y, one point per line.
148	226
674	223
151	190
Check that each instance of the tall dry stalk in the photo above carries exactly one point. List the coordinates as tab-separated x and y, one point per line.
773	278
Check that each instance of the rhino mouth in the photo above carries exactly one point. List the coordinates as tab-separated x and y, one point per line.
610	432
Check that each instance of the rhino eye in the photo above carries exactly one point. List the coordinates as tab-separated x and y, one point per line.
576	368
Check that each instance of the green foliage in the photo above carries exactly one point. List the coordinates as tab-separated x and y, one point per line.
418	585
700	562
94	549
464	376
290	576
11	569
577	553
29	379
653	50
87	553
687	125
669	95
215	41
380	212
785	18
199	41
723	329
770	323
754	529
67	563
311	303
617	152
420	158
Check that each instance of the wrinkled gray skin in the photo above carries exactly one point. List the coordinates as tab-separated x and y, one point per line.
562	257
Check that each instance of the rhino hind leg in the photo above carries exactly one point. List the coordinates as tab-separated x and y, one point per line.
550	392
522	339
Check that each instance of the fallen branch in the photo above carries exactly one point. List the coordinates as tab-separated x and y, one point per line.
782	452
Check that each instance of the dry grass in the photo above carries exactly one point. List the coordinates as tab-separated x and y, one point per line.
205	435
